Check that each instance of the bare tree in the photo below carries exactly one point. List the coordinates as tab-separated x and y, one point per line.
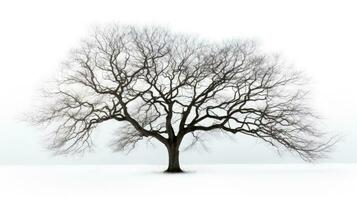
164	86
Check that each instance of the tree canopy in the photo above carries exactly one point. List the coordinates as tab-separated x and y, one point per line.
166	85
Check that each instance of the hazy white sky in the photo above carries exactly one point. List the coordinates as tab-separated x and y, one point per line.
318	37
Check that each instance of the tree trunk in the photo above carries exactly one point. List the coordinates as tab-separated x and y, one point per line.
174	163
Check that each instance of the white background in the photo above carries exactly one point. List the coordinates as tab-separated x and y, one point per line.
107	182
318	37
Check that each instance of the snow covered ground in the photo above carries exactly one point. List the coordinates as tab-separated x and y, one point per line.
241	181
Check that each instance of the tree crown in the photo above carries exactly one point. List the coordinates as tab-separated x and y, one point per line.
165	85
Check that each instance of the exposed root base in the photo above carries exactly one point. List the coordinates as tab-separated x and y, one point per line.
174	171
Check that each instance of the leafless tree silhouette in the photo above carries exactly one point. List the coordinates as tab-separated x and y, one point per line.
164	85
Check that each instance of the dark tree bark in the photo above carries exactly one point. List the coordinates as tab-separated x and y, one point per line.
164	86
173	158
